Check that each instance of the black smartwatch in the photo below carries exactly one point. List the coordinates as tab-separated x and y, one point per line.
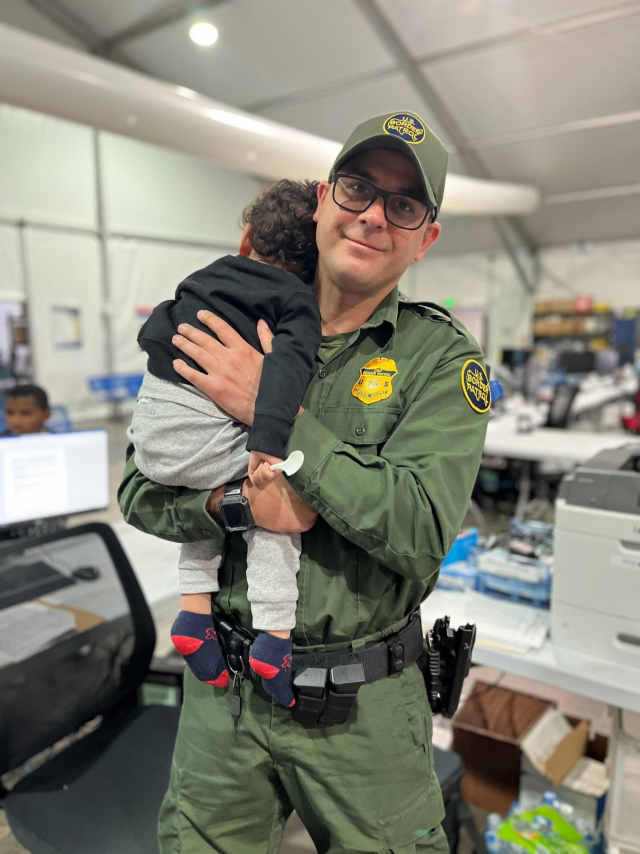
234	508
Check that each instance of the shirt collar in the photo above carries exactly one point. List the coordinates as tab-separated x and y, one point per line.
385	316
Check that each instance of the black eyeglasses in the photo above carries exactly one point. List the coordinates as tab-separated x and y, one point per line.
357	195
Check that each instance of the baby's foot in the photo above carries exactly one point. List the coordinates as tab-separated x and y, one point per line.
194	636
270	657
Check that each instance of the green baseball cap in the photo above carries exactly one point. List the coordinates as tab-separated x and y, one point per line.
407	133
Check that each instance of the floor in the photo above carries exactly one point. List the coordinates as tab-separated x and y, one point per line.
297	840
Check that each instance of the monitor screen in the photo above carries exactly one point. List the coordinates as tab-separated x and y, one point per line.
52	474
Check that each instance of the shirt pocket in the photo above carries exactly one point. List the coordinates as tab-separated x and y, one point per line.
366	428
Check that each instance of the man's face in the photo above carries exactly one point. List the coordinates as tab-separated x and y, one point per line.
362	252
23	415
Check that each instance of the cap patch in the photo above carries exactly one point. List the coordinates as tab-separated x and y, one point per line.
475	385
406	127
375	381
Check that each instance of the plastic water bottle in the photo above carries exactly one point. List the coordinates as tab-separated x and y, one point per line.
493	842
494	821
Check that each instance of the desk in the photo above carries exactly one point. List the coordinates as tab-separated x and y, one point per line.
546	443
564	447
155	563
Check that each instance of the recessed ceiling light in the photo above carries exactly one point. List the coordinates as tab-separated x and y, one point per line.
203	34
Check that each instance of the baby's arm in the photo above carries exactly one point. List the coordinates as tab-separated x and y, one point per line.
260	473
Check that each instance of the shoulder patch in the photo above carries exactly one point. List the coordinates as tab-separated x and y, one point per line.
475	386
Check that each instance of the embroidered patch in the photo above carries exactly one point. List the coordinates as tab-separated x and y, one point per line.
475	385
375	381
405	126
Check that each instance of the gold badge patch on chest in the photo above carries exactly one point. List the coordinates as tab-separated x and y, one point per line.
475	385
375	381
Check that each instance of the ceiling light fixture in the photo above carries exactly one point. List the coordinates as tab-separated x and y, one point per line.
203	34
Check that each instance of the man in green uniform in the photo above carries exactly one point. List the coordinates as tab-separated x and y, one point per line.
392	429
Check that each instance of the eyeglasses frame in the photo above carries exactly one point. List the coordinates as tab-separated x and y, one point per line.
384	195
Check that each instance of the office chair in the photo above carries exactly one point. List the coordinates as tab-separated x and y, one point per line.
560	407
449	768
102	793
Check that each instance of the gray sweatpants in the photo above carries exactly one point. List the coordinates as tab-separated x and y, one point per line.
183	439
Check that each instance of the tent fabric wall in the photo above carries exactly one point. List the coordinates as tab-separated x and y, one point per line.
142	274
64	275
152	192
11	275
47	173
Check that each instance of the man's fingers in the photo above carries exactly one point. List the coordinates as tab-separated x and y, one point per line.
205	359
202	339
266	336
196	378
225	333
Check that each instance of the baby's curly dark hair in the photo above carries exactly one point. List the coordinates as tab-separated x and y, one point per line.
282	228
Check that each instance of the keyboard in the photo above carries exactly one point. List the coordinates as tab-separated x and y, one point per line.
28	581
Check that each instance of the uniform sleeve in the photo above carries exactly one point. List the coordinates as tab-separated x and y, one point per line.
404	507
177	514
285	375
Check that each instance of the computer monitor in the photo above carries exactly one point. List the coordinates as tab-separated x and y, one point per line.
52	474
583	362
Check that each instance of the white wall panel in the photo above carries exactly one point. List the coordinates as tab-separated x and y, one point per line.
153	192
478	282
143	274
610	272
47	173
11	279
64	274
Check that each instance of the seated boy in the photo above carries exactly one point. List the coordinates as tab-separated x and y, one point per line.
26	409
183	439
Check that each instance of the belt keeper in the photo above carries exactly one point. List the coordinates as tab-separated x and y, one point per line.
396	657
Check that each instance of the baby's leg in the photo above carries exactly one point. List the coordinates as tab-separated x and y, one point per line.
273	561
193	633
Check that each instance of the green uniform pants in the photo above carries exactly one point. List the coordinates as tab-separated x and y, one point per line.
367	786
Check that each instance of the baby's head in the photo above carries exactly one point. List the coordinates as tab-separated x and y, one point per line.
282	231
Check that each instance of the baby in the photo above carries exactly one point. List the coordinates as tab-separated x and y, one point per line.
182	438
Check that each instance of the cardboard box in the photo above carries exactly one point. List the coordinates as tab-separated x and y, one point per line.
487	733
557	754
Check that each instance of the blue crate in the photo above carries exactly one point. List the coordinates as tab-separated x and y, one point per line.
116	387
462	546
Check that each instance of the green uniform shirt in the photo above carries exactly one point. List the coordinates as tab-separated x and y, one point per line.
391	453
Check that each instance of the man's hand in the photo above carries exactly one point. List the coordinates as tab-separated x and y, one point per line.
232	366
260	473
276	507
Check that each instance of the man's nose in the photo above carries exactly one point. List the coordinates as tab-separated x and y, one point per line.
374	215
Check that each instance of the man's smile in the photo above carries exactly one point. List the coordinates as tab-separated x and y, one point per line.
362	244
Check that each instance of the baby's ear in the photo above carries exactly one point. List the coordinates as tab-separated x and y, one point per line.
246	246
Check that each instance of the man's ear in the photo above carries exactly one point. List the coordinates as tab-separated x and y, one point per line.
246	247
323	195
429	238
47	414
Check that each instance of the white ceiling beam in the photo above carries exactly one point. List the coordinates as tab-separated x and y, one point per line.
45	76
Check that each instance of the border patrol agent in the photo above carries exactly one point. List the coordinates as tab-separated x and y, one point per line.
392	430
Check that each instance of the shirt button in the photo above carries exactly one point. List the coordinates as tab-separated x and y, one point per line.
360	431
322	374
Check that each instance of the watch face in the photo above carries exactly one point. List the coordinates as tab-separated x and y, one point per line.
234	515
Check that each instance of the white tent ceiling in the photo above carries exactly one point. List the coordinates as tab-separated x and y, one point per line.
544	93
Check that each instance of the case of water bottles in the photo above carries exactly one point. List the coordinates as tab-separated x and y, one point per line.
550	828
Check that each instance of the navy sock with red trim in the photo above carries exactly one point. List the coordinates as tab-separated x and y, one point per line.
194	636
270	657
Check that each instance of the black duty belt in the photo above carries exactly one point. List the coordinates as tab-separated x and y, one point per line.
325	683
